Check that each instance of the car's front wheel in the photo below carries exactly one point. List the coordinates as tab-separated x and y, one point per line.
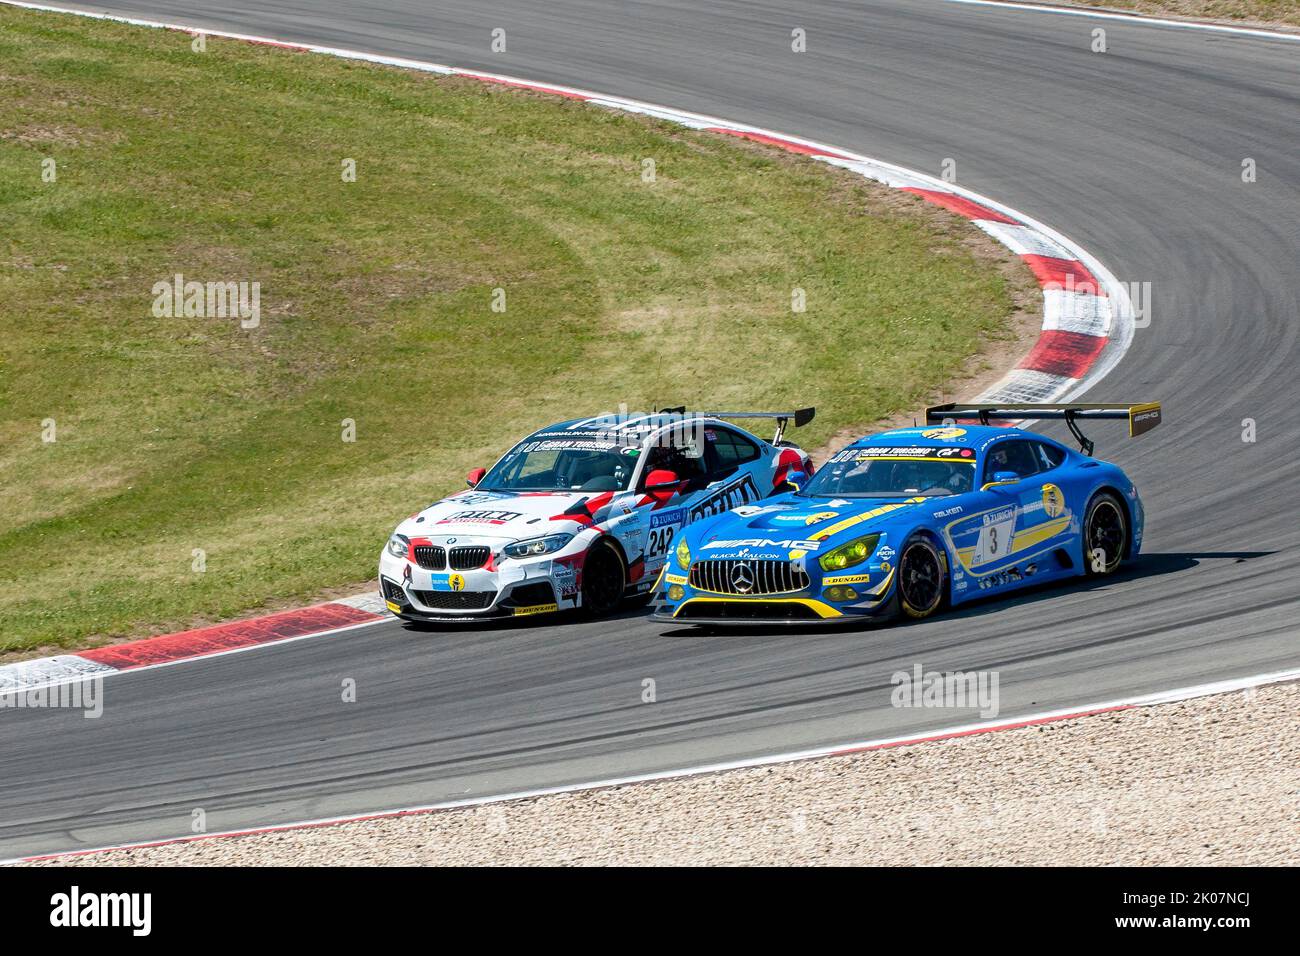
921	578
604	579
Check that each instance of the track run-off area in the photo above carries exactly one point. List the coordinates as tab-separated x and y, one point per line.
1136	154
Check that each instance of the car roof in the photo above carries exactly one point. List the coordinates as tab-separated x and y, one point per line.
632	427
940	436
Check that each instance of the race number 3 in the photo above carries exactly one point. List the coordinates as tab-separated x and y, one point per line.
995	539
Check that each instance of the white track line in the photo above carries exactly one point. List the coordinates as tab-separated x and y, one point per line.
845	749
1138	19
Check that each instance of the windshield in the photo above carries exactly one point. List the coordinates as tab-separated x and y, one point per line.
567	464
863	473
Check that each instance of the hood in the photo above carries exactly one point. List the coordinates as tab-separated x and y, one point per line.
492	516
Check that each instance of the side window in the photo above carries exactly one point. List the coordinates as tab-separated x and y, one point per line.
728	450
1017	456
1049	456
676	456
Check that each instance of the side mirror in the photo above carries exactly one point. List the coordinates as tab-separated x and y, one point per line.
661	484
1001	478
796	479
475	476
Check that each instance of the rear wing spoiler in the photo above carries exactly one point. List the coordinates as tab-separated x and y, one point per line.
1142	417
800	417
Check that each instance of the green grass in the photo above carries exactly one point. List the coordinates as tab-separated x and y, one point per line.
175	434
1261	11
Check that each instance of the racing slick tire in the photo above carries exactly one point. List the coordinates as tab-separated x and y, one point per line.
1105	534
922	578
604	580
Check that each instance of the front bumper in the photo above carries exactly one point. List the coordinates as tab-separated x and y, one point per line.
517	589
822	601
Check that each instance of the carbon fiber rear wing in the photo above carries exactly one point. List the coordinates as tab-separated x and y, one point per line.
800	417
1141	417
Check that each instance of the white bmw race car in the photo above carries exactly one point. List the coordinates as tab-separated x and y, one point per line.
582	514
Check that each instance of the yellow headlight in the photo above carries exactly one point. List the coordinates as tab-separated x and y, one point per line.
683	555
847	555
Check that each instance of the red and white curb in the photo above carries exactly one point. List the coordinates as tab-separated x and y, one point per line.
838	750
213	641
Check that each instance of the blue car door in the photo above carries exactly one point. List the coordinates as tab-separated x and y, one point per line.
1002	539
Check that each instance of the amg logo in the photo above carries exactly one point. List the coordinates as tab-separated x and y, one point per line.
793	544
726	498
103	909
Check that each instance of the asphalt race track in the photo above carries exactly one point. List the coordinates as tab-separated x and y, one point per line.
1136	154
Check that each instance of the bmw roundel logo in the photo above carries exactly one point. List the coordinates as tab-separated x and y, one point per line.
742	578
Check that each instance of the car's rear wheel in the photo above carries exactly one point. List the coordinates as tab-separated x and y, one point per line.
604	579
1105	534
921	578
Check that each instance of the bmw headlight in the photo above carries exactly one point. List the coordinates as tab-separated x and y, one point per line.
683	555
535	546
847	555
397	545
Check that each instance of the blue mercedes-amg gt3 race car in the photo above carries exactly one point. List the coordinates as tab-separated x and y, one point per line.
915	518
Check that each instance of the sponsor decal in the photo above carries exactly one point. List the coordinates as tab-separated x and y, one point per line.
481	517
846	579
885	552
996	517
659	519
726	498
675	578
898	451
536	609
747	543
806	519
1053	500
1009	576
576	444
948	512
943	434
478	497
447	582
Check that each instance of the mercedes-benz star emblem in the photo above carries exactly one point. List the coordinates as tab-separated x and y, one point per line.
742	578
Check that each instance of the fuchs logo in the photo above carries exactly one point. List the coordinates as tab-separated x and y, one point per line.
747	543
724	499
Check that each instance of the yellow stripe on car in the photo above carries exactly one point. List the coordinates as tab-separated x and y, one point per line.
822	609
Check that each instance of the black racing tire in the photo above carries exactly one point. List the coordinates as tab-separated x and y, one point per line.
604	580
922	578
1105	534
